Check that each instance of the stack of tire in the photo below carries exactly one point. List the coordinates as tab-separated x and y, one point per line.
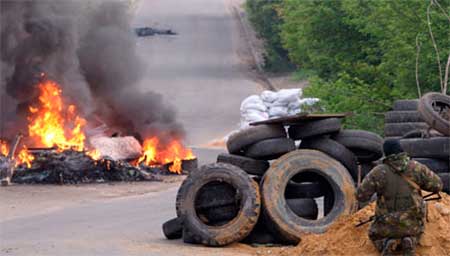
429	145
404	119
267	190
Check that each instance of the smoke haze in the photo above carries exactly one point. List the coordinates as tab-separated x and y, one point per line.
90	50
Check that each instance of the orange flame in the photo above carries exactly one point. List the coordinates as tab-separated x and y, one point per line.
4	148
53	124
155	153
22	158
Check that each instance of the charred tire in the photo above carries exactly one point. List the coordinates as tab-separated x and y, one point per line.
436	165
336	151
286	223
437	147
237	142
270	149
249	165
367	146
445	178
303	190
247	191
434	108
173	229
402	117
401	129
401	105
314	128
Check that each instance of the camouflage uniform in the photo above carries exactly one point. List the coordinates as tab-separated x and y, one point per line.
400	210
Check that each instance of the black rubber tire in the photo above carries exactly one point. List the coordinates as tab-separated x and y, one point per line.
334	150
431	116
402	105
232	231
402	117
314	128
223	213
303	190
445	178
304	207
237	142
249	165
215	195
261	234
270	149
437	147
173	229
286	223
401	129
367	146
421	134
436	165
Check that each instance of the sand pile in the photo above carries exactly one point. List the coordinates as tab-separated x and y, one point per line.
343	238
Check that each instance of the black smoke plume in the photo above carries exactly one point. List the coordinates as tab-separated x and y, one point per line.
90	50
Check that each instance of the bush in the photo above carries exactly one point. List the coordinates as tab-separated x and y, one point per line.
264	18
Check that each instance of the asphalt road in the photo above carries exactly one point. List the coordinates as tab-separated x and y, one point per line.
199	72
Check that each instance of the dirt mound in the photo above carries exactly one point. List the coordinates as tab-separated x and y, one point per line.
343	238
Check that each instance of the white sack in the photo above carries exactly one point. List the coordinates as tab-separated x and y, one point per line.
269	96
253	106
278	111
288	95
117	148
253	99
309	101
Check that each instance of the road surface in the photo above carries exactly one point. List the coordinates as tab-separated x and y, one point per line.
199	72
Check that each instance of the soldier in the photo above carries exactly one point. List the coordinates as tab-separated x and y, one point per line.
401	210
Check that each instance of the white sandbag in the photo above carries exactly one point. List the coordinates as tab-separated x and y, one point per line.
255	116
309	101
278	111
253	99
293	112
288	95
295	104
269	96
117	148
253	106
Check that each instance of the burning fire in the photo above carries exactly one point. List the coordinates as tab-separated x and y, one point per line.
22	158
172	153
4	148
54	124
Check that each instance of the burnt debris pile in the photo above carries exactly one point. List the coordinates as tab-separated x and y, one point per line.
75	167
288	177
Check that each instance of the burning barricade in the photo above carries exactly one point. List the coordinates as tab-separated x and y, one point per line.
57	150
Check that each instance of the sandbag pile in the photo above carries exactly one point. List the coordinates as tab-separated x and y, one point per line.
423	127
272	104
268	190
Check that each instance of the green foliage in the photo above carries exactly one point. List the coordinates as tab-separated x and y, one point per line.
360	55
264	17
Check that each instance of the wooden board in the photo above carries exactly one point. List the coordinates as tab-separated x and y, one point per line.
301	117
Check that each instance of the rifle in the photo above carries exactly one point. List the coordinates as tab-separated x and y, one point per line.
8	164
425	198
